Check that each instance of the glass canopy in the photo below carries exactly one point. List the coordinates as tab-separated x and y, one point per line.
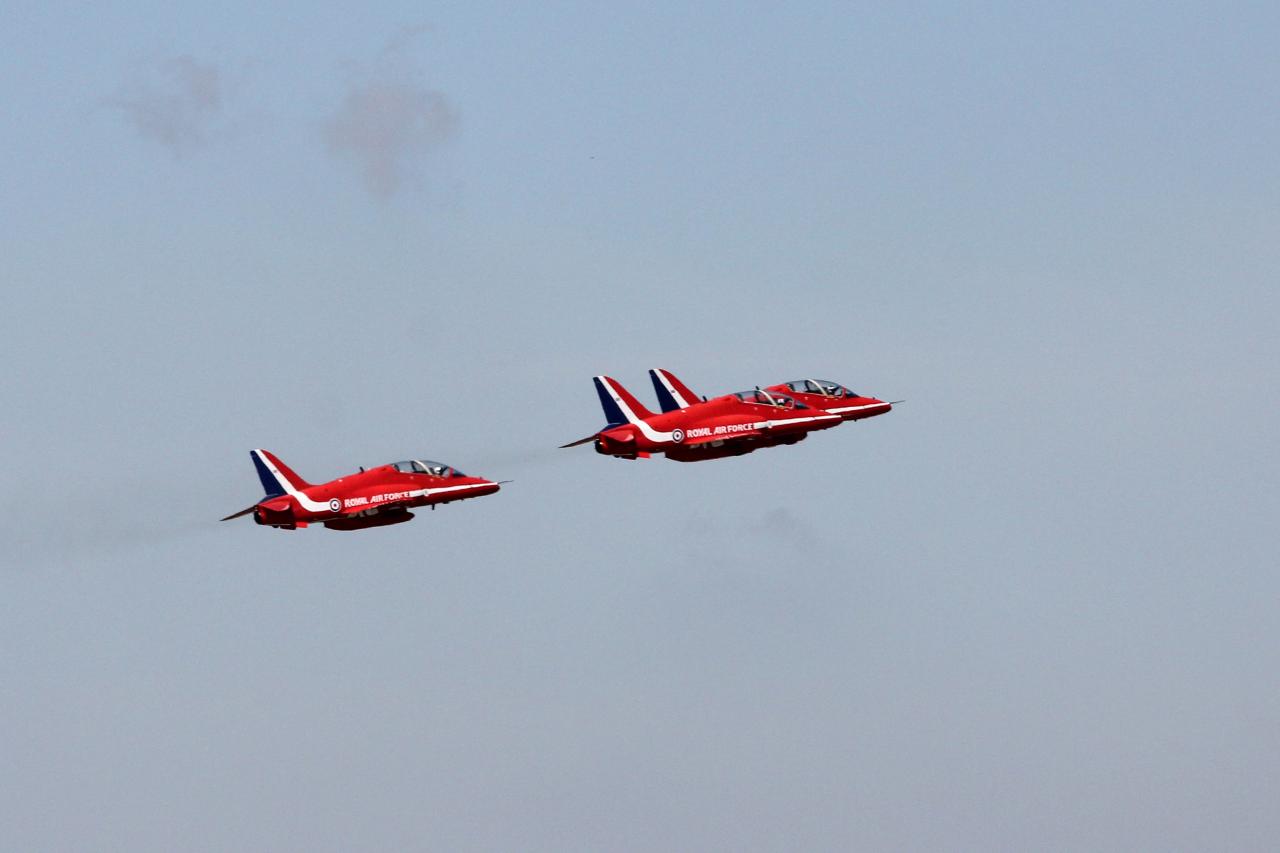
824	387
426	466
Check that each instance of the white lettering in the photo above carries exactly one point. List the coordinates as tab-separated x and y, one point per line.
724	429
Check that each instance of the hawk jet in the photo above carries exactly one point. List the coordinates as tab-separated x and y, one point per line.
373	498
726	426
830	397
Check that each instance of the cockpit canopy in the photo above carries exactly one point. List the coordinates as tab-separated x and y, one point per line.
769	398
825	387
426	466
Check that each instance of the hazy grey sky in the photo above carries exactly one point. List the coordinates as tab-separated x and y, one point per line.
1035	607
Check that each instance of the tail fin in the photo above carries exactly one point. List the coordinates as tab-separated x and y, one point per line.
277	478
672	393
618	404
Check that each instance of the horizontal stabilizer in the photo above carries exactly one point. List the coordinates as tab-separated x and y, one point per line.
591	437
240	513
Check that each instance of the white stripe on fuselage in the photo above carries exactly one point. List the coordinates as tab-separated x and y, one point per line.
428	492
297	494
310	505
787	421
409	495
842	409
805	420
655	436
634	419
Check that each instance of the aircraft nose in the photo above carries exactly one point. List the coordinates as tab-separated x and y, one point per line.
883	407
866	407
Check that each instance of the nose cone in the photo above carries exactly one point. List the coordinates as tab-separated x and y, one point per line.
488	487
863	407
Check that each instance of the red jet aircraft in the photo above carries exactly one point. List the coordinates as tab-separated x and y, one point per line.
831	397
726	426
372	498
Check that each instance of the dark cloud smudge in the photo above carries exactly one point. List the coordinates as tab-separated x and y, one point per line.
386	127
178	106
388	122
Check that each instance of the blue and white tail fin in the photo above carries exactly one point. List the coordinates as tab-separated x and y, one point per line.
620	407
277	478
672	393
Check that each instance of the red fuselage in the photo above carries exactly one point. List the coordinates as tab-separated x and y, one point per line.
372	498
833	398
725	426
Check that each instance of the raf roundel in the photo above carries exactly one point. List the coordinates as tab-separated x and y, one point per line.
677	435
335	504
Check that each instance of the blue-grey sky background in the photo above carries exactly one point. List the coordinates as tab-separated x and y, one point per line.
1035	607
